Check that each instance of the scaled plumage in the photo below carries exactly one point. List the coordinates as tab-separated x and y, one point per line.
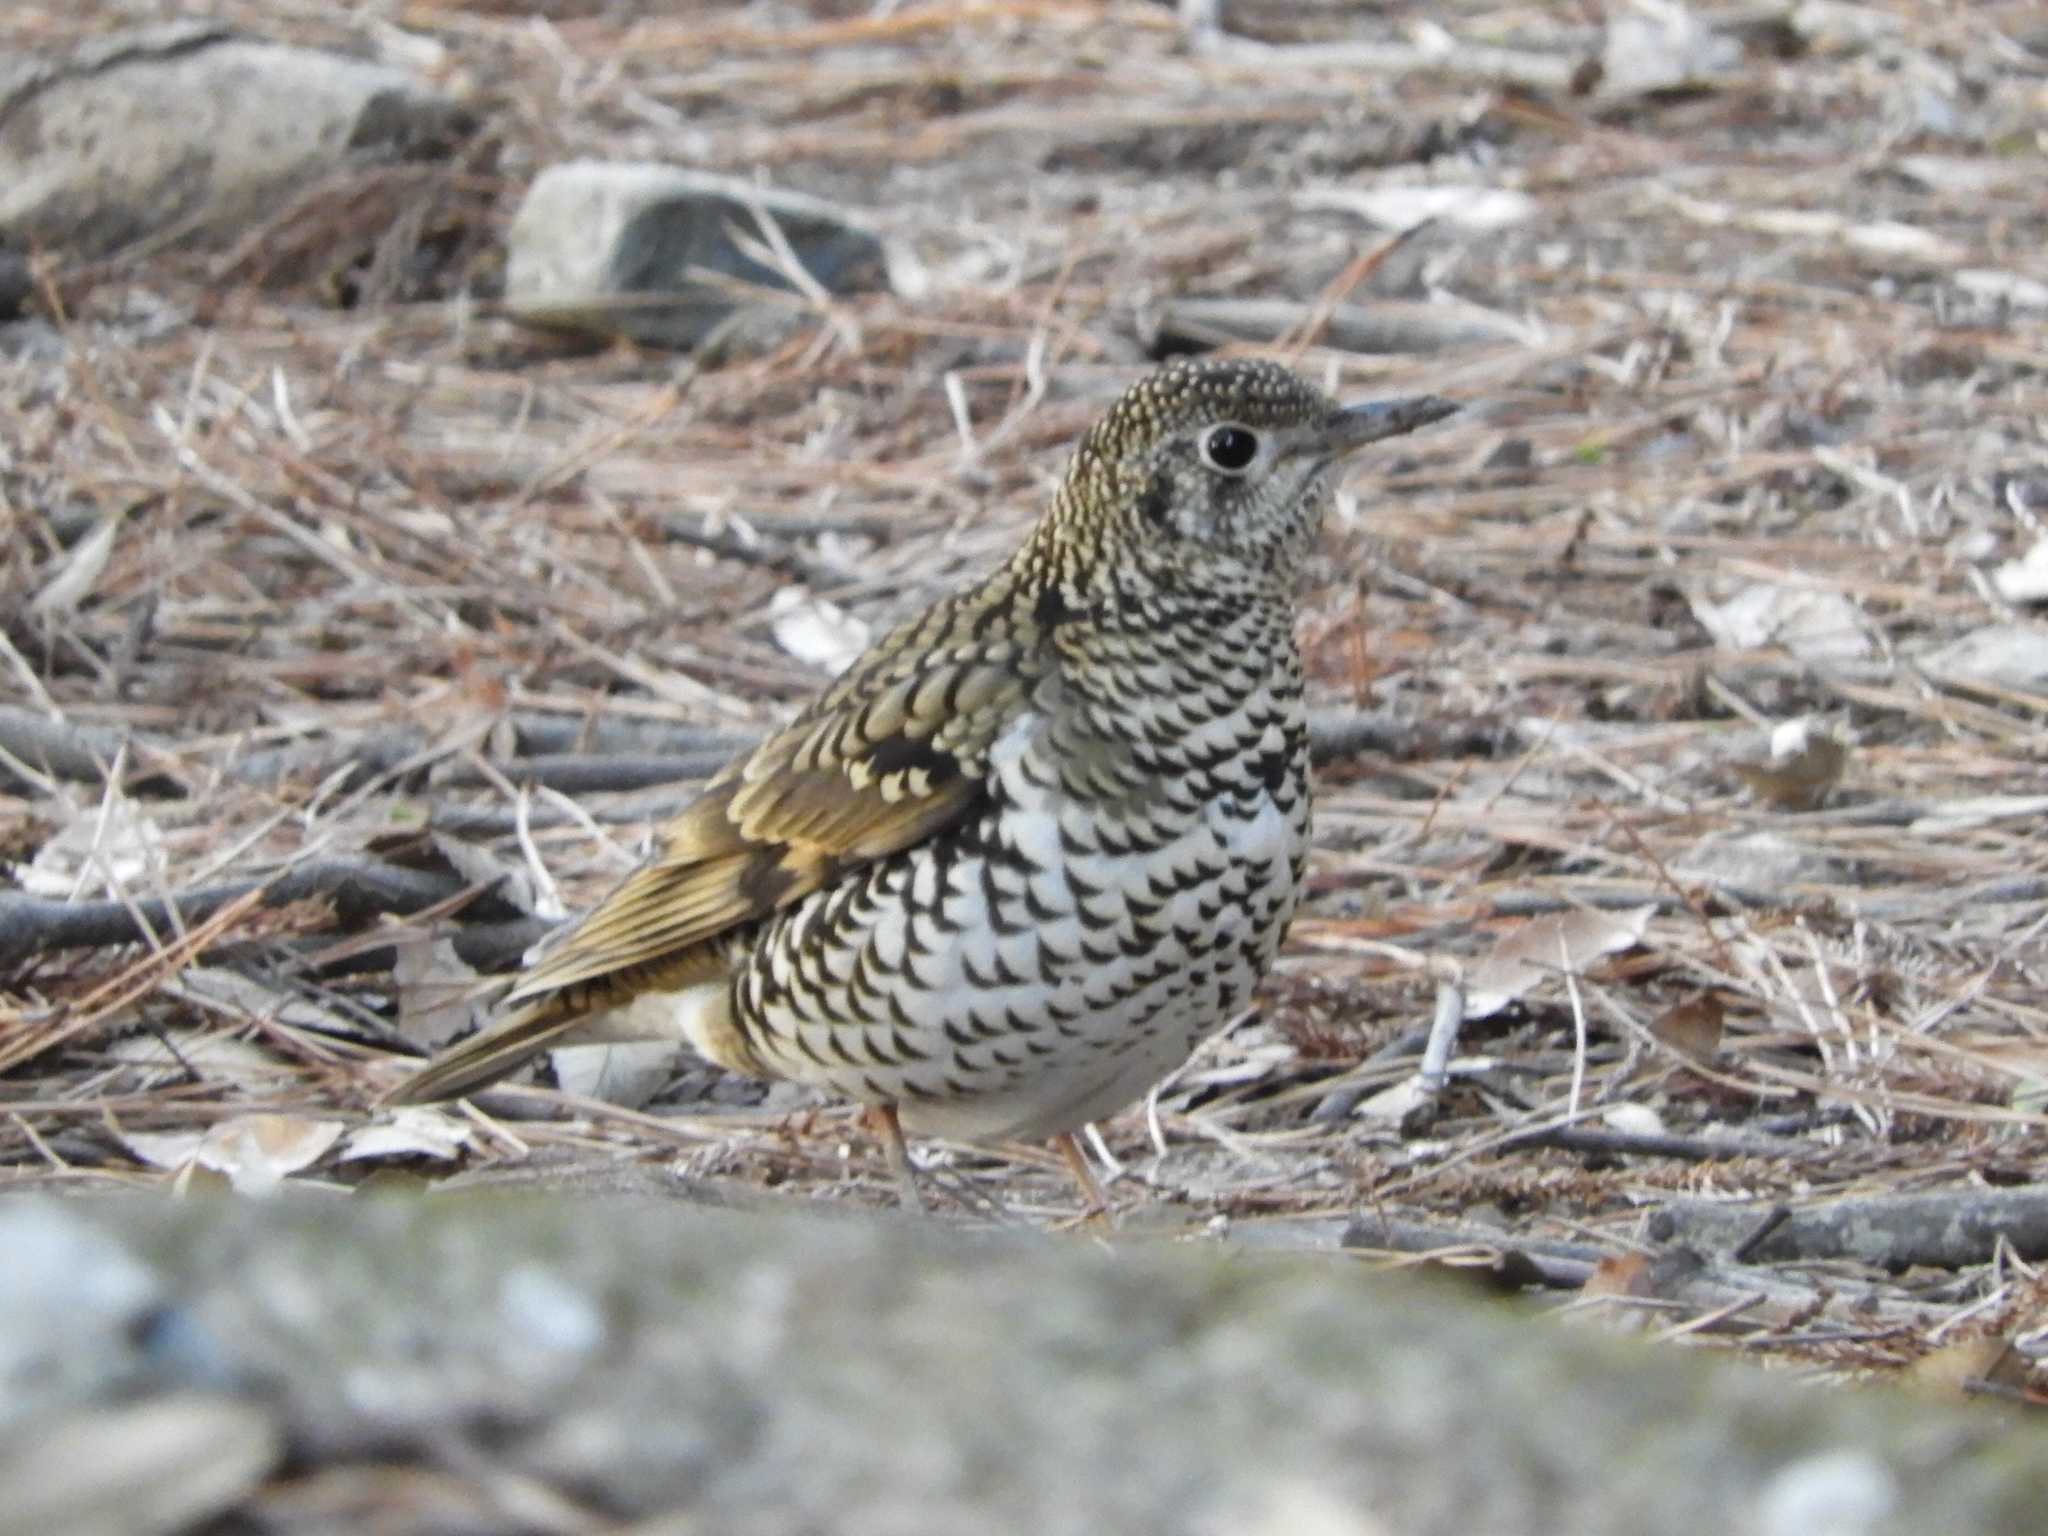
1014	864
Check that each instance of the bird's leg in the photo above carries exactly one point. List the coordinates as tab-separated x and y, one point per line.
1077	1164
887	1126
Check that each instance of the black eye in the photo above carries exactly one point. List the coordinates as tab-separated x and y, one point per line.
1230	449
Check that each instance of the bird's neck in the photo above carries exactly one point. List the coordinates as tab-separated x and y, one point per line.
1070	576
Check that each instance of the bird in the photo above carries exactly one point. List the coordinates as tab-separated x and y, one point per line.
1038	842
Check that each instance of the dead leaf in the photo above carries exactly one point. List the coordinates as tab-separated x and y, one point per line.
1881	239
256	1153
1951	1370
1546	947
1633	1120
1812	626
211	1054
235	996
2003	287
1958	175
415	1131
107	846
1622	1278
477	865
1806	762
1621	1274
813	630
628	1073
2030	1094
1405	1104
1692	1027
2024	580
1476	208
1979	811
82	570
436	990
2014	655
1665	49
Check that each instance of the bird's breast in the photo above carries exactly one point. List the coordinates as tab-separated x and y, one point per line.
1116	900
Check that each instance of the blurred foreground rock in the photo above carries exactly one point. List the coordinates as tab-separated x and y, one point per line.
506	1365
675	258
192	131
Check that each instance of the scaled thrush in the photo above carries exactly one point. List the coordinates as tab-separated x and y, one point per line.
1038	842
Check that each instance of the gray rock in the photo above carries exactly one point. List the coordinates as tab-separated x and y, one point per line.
2005	655
72	1301
192	131
1667	49
657	254
758	1374
150	1468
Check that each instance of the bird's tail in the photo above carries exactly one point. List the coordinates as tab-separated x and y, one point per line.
493	1052
678	1000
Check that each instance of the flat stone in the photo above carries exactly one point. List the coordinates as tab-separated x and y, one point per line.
658	254
2002	655
755	1374
193	132
149	1468
75	1303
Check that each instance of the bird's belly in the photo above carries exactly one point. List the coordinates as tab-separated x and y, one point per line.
1040	970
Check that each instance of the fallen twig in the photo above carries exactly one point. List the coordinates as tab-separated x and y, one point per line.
360	888
1945	1229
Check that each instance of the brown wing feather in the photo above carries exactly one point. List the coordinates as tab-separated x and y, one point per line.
859	775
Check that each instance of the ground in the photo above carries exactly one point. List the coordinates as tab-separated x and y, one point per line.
375	592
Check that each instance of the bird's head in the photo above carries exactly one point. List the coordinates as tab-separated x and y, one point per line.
1226	459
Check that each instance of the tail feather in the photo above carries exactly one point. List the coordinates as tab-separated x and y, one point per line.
682	1000
491	1053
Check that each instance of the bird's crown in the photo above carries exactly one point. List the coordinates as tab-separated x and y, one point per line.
1193	393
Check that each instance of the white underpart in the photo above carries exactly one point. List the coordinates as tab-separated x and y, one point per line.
687	1016
1128	1019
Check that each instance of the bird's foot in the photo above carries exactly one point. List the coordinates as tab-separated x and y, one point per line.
1095	1211
890	1131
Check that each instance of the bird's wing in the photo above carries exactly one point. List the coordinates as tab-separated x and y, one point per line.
892	754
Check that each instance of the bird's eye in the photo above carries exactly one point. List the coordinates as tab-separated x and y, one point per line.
1230	449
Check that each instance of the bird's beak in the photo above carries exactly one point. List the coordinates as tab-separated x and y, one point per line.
1347	430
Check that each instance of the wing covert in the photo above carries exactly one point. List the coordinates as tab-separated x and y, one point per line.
894	753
